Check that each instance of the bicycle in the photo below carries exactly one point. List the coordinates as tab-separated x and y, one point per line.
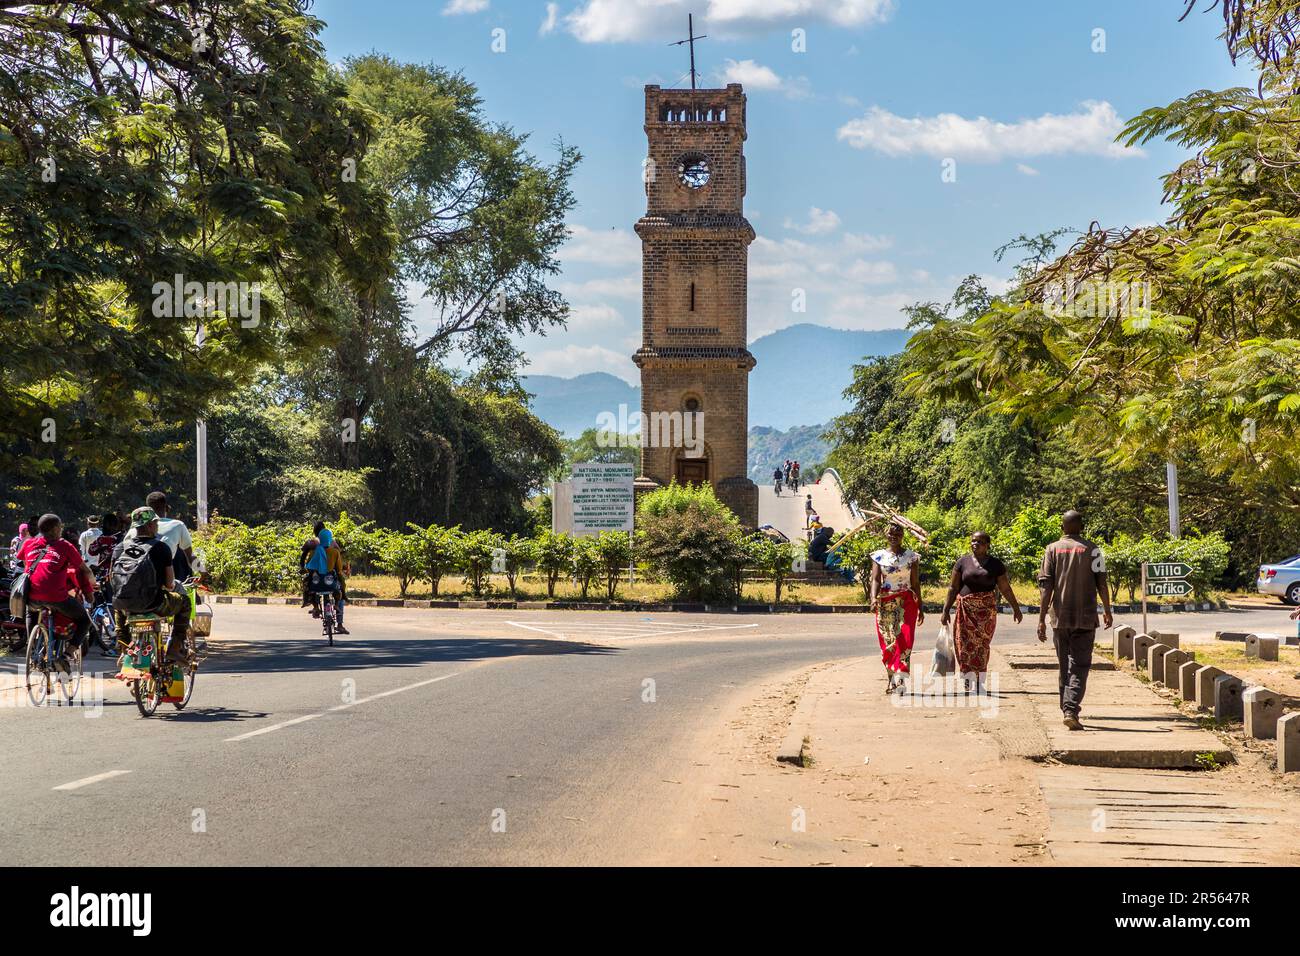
326	588
48	657
778	487
102	624
152	679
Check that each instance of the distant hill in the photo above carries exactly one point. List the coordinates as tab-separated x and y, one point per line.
769	447
572	404
803	371
801	374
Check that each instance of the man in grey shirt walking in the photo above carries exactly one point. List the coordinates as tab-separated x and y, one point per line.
1073	574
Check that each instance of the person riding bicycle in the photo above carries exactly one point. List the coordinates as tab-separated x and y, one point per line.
48	559
776	477
144	581
321	555
174	533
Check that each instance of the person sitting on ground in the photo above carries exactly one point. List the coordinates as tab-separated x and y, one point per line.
48	558
144	581
821	542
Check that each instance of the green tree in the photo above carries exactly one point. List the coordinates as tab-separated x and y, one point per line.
587	563
520	554
440	551
133	152
554	557
614	550
477	552
404	556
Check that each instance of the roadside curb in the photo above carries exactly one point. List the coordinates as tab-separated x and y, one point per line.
686	608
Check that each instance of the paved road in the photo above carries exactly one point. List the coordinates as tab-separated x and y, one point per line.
405	743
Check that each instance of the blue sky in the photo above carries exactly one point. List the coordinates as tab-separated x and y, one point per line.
847	139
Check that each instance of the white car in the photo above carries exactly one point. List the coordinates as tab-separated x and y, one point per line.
1281	580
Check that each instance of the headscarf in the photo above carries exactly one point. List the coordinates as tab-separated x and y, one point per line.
317	561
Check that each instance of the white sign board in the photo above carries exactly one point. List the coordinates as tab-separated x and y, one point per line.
602	497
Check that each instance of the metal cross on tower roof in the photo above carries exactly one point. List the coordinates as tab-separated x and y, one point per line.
690	38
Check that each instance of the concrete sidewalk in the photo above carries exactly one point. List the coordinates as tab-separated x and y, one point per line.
1127	724
1121	792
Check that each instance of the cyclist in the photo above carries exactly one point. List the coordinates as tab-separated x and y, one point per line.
794	476
320	555
49	559
173	532
776	478
144	580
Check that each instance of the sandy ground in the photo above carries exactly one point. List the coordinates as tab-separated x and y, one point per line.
889	785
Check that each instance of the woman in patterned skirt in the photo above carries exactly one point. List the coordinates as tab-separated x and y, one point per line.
976	579
896	599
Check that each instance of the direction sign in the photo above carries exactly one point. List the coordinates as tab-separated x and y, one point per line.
1169	588
1167	570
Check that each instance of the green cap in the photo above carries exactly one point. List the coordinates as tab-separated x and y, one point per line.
142	516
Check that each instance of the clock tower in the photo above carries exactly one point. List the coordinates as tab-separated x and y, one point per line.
694	358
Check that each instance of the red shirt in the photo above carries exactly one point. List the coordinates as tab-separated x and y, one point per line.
50	575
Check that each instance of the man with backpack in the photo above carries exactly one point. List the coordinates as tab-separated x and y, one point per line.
144	581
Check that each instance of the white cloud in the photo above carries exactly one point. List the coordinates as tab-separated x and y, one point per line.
593	316
579	359
457	7
1026	170
552	18
756	77
859	242
618	287
871	273
820	221
617	21
1091	130
606	247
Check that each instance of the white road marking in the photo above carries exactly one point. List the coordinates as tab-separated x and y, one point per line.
626	629
337	707
87	781
279	726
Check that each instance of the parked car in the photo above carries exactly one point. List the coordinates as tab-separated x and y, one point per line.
1281	580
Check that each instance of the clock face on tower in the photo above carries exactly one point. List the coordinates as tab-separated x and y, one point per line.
693	170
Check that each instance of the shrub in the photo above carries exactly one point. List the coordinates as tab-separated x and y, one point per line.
476	551
774	558
519	554
554	557
692	541
586	562
441	548
403	556
615	553
856	554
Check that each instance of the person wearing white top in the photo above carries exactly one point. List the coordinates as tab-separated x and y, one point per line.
173	532
88	536
896	599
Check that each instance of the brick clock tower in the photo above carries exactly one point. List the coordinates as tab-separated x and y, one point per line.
694	267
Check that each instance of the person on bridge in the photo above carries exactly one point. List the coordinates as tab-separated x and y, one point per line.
776	478
794	476
973	589
896	601
1072	576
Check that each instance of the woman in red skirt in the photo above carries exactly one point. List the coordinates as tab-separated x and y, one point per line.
896	599
976	579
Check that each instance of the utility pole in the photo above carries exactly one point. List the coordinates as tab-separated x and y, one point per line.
201	448
1171	479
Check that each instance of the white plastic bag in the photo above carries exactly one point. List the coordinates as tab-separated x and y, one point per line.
945	654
